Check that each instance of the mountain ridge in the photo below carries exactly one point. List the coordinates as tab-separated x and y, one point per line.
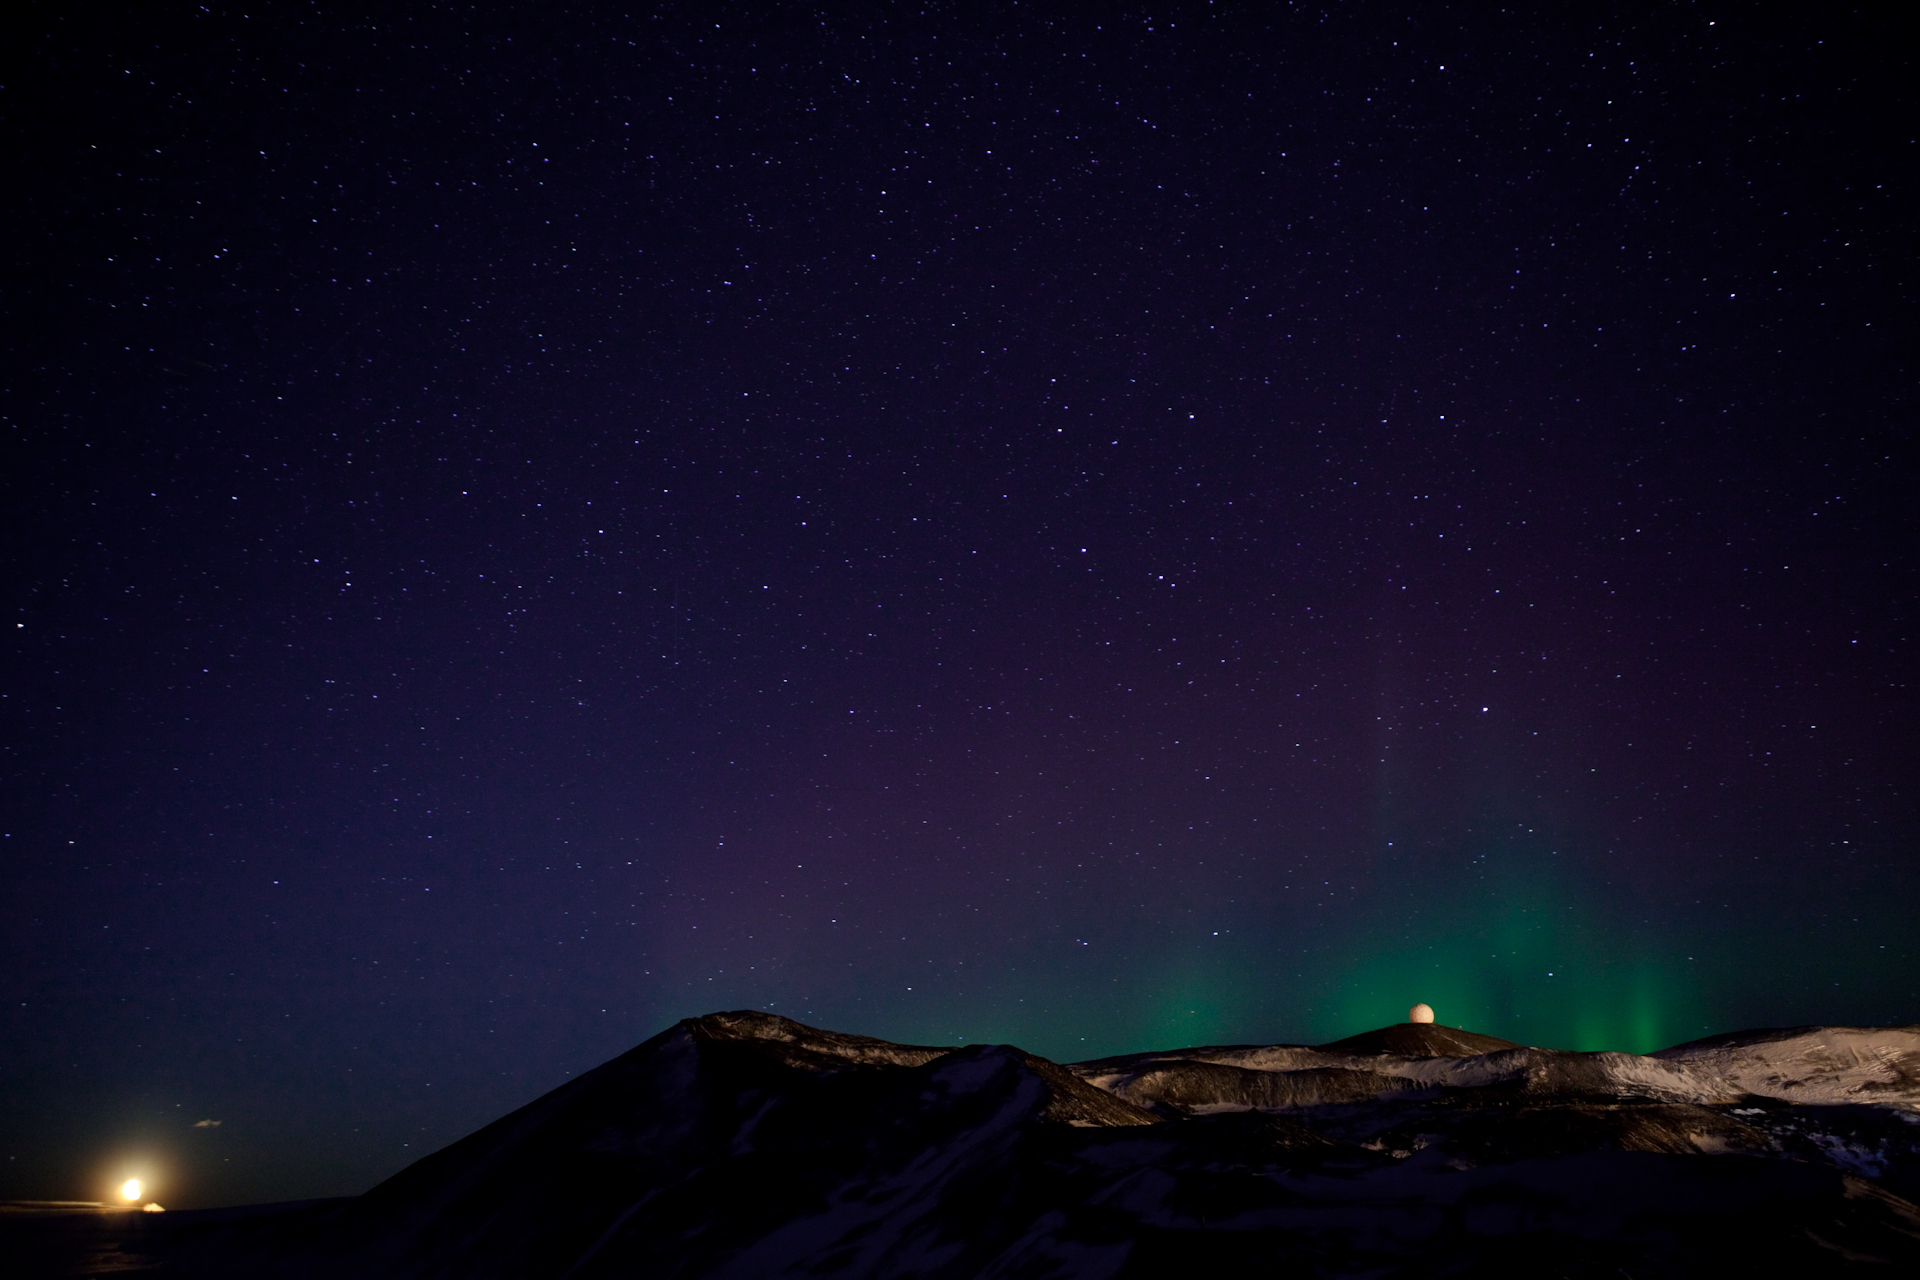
747	1144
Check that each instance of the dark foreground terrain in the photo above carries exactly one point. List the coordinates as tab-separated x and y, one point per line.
746	1145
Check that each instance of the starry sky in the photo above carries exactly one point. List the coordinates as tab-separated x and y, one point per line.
1095	527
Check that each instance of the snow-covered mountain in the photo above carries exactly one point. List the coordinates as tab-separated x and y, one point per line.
746	1145
1813	1064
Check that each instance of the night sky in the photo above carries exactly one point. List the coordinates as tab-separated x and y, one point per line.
1094	528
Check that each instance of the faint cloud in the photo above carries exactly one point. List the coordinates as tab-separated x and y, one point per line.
206	1124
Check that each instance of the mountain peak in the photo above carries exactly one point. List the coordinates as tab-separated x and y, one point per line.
1420	1040
796	1044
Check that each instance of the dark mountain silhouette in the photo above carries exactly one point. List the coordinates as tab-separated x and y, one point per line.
747	1145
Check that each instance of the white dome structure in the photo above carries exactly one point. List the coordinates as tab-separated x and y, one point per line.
1420	1013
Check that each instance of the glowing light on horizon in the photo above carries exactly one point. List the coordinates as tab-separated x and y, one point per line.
131	1189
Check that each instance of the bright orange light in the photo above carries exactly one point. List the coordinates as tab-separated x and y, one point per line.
131	1189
